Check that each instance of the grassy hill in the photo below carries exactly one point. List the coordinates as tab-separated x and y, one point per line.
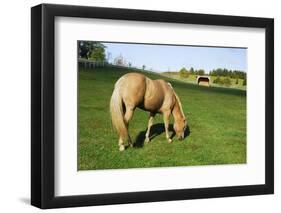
216	118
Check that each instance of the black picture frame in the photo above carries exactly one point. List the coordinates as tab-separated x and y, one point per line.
43	102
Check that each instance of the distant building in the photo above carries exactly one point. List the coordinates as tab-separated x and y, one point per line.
203	80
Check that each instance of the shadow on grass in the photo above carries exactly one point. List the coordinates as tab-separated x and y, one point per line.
157	129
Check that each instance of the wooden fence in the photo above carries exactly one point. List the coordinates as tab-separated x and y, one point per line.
90	64
86	63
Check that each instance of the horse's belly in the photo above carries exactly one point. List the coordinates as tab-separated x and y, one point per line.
152	105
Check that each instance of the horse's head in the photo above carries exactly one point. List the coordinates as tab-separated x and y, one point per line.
180	127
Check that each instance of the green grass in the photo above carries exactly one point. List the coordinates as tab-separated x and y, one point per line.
216	118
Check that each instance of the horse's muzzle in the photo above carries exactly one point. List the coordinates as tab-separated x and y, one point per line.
180	138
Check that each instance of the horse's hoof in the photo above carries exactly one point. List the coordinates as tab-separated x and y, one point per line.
147	140
121	148
131	145
170	140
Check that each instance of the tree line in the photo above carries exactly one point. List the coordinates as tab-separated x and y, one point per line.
185	73
218	73
215	72
228	73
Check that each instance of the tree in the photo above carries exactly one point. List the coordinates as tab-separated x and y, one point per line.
245	82
201	72
143	67
98	54
227	81
217	80
228	73
236	82
184	73
191	71
91	50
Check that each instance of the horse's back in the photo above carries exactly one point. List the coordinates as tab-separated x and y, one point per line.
140	91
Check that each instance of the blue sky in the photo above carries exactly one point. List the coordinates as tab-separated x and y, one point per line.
162	58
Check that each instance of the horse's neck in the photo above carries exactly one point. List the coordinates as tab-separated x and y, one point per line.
177	110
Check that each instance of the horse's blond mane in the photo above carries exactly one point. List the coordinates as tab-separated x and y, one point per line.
179	102
177	99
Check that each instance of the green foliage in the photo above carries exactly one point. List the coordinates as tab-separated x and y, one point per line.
218	80
216	118
201	72
245	82
184	73
183	69
222	81
237	81
192	72
91	50
98	54
228	73
227	81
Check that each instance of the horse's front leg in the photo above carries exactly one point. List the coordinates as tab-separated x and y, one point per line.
166	116
150	123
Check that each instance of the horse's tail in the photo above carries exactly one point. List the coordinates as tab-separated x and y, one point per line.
116	110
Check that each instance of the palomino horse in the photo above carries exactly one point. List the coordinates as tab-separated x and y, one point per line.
156	96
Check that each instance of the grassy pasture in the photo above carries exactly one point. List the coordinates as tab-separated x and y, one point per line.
216	118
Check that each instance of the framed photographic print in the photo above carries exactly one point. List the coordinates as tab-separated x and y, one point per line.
139	106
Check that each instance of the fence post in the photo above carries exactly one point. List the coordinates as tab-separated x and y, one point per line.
85	63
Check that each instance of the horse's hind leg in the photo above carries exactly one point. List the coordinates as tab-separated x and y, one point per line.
150	123
121	144
128	116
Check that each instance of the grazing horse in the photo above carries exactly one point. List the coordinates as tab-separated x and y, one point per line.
156	96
